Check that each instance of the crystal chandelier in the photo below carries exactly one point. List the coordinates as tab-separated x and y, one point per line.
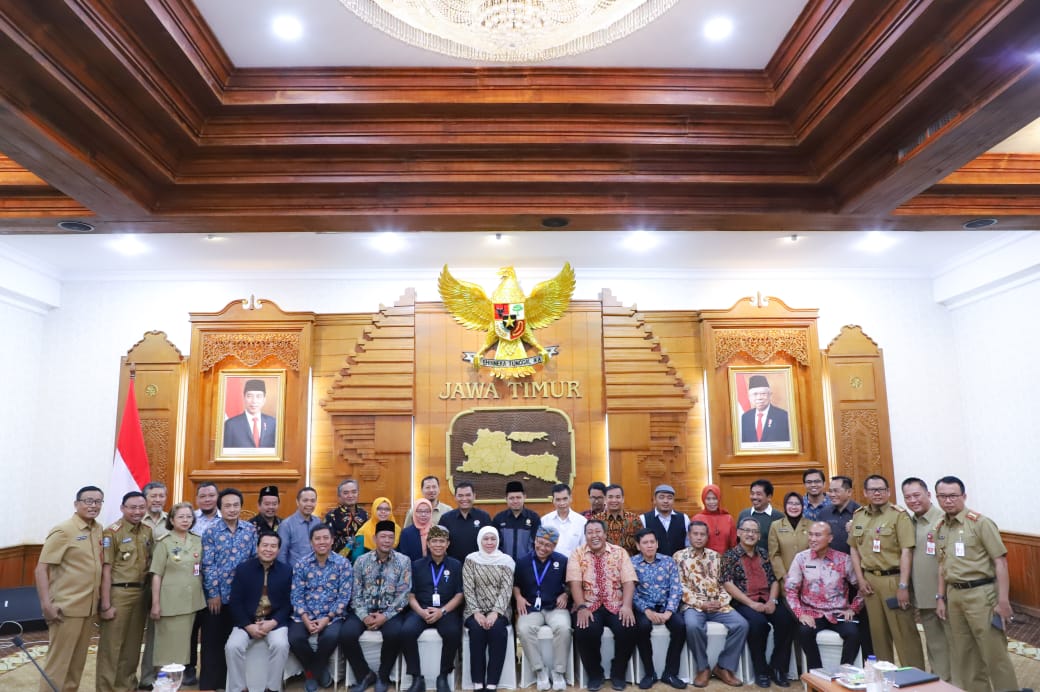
513	31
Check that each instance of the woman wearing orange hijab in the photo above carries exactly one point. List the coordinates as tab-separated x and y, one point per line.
722	530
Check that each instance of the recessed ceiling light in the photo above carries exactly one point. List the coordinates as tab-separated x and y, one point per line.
640	241
792	239
128	245
387	242
718	28
211	238
876	241
287	27
498	239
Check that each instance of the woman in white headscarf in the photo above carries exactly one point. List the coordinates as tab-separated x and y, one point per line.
487	583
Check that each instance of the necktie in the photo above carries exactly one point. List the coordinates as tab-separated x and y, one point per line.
256	432
758	426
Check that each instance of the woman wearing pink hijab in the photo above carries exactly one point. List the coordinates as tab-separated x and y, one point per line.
413	538
722	530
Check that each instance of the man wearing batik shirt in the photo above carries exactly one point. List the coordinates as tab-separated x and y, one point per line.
382	582
622	526
346	519
817	591
656	602
224	546
747	575
321	586
602	582
704	600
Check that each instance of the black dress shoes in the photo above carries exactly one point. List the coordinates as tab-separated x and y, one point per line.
418	684
780	678
647	682
762	680
673	680
364	683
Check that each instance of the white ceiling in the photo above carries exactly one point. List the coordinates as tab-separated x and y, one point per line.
334	37
310	255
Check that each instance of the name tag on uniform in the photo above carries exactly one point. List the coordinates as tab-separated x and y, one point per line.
929	546
436	600
877	545
126	540
197	570
958	549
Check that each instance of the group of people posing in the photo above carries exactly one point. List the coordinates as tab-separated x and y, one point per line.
308	585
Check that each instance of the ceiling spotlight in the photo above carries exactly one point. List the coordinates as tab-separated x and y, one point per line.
287	27
387	242
75	226
876	241
640	241
128	245
718	28
980	223
793	238
210	237
498	239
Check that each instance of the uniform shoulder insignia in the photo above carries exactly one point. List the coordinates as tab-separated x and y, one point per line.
897	508
115	526
974	516
163	538
861	508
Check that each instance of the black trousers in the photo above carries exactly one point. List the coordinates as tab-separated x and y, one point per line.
314	660
196	631
677	639
487	651
849	632
783	624
587	641
450	629
215	632
350	636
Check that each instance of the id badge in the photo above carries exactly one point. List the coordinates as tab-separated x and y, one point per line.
958	549
436	600
538	603
877	545
929	548
197	570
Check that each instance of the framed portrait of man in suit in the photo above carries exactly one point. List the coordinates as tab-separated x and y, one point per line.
250	410
765	417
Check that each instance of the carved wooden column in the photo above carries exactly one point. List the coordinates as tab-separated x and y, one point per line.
859	405
160	372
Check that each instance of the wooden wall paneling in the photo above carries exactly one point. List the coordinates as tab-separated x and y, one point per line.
855	368
160	369
240	337
1023	565
763	333
17	564
370	405
648	405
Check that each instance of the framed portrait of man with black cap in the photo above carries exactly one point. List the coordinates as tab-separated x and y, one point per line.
764	410
250	405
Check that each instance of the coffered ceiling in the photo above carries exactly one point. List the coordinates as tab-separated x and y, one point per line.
141	116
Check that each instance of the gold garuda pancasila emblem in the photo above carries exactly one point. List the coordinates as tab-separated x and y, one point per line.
508	317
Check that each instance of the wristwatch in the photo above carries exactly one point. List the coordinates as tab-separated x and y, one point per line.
583	606
940	597
901	585
776	601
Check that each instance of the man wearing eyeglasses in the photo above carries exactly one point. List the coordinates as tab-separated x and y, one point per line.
68	577
882	543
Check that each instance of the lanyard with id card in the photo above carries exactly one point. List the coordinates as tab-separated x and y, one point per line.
538	579
436	574
877	540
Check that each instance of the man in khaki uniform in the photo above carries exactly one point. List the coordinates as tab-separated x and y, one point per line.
155	519
68	576
924	577
126	550
973	587
881	544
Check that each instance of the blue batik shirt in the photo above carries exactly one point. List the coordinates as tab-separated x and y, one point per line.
658	584
319	592
381	587
222	551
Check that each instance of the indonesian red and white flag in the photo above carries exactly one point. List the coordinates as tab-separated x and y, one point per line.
130	469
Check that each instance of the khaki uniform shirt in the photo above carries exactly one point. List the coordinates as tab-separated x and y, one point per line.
73	551
924	577
786	541
158	526
891	526
128	549
982	545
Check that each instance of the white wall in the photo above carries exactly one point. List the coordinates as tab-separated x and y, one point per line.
98	321
997	342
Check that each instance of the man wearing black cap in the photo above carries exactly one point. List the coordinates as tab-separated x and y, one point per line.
266	519
252	427
382	582
516	525
763	422
435	601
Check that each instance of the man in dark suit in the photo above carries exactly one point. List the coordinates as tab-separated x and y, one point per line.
252	427
763	422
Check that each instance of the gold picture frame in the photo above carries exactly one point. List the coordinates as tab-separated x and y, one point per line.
776	432
236	441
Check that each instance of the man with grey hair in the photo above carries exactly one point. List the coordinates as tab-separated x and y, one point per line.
346	518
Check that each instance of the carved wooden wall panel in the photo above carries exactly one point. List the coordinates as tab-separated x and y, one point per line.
363	413
158	388
755	333
856	371
241	337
